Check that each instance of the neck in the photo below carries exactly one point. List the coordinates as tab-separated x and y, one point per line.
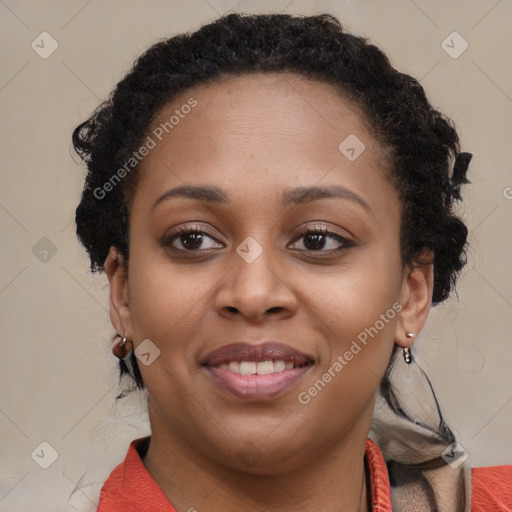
333	481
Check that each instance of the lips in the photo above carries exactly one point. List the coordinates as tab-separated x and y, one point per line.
267	351
257	372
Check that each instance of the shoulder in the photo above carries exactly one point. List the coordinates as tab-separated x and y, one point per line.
491	489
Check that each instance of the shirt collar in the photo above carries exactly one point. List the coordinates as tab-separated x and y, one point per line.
131	487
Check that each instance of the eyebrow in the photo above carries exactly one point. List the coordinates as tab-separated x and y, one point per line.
301	195
291	196
199	192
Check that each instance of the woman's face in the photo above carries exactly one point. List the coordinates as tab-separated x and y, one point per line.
252	167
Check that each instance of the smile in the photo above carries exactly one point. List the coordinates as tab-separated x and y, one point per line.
257	372
257	367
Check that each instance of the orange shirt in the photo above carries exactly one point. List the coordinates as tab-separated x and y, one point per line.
130	488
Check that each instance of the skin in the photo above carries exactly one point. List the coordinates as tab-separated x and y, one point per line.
255	136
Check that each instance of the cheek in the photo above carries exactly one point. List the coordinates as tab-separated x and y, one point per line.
353	297
356	308
167	309
359	325
167	302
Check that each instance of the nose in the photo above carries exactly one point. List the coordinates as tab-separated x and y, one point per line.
256	291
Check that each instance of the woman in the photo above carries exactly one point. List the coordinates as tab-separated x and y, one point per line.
272	203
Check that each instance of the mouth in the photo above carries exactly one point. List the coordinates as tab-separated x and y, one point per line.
257	372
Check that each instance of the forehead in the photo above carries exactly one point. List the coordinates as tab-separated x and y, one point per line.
299	108
269	128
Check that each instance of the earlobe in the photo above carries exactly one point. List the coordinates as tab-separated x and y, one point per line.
116	271
416	300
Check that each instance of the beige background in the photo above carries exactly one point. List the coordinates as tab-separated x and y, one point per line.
58	376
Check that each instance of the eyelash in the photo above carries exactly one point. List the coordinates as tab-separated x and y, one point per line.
322	230
167	240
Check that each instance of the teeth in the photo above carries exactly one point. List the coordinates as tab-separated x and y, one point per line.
280	365
234	366
257	367
264	367
247	368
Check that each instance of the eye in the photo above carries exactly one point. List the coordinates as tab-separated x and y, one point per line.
190	239
321	239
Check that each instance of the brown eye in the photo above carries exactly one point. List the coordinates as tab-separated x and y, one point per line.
321	240
191	239
315	241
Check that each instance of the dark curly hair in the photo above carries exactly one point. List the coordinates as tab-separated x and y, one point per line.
421	143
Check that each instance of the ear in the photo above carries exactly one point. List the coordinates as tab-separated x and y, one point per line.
119	304
416	299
